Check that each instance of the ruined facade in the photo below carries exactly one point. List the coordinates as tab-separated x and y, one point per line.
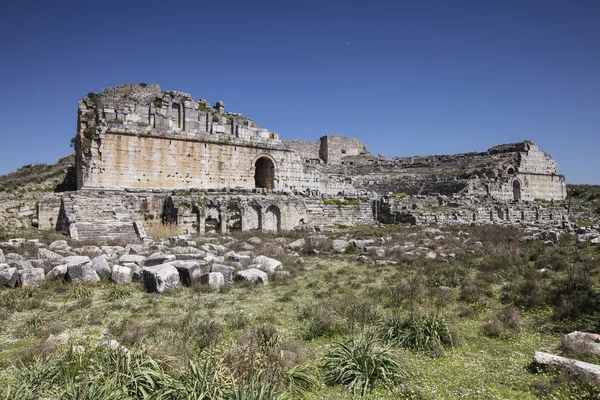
210	170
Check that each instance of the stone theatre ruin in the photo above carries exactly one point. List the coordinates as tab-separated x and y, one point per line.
142	154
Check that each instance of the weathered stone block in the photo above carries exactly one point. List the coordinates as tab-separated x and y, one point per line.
189	271
268	264
58	272
121	275
8	276
31	276
157	259
101	266
160	278
252	275
214	280
227	272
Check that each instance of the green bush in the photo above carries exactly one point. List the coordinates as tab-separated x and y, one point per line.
360	365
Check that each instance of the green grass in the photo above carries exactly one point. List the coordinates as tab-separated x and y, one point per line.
274	340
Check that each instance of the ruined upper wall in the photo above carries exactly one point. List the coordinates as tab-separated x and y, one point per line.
331	149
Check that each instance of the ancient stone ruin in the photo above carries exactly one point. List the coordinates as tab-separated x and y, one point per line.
144	154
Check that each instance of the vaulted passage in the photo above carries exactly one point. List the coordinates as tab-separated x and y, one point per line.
264	173
517	190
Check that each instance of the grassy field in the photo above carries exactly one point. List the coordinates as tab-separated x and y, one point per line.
445	328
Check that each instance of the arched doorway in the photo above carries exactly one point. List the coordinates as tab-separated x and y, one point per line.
517	190
264	173
272	219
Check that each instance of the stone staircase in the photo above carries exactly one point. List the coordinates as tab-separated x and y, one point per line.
98	215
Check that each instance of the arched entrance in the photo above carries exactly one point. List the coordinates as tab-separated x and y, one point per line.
517	190
264	173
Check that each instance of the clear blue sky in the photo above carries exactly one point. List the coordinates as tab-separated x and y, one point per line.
406	77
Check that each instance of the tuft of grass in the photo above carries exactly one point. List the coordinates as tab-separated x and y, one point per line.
359	365
422	333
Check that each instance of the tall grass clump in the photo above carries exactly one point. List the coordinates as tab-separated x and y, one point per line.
421	333
360	365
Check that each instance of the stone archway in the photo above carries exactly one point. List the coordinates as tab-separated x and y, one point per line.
271	219
264	173
516	190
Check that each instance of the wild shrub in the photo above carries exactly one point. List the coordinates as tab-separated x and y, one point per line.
429	333
359	365
322	323
506	322
237	321
573	292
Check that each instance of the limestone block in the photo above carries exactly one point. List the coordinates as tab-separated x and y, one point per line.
296	245
81	272
189	271
21	264
585	371
227	272
340	246
101	266
31	276
160	278
252	275
157	259
45	254
59	245
8	276
76	260
214	280
254	241
132	258
268	264
582	342
2	258
243	259
121	275
58	272
13	257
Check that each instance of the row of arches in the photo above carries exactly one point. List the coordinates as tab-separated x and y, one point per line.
223	218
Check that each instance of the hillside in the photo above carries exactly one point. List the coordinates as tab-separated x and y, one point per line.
21	190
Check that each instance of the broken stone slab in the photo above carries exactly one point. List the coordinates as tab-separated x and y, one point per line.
45	254
297	244
254	275
136	249
243	259
60	339
157	259
160	278
361	244
585	371
9	276
317	240
2	258
121	275
13	257
214	280
189	271
582	342
132	258
77	260
254	241
21	264
212	258
59	245
136	270
340	245
270	265
227	271
58	272
101	266
81	272
31	276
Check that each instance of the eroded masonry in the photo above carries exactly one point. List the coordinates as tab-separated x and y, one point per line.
145	155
